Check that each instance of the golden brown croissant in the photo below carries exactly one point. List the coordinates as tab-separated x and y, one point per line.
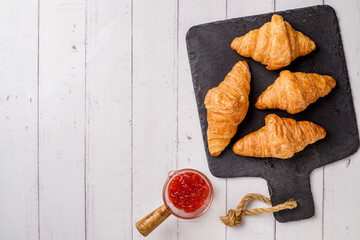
294	92
275	44
279	138
227	106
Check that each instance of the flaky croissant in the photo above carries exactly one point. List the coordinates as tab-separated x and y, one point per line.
294	92
279	138
227	106
276	44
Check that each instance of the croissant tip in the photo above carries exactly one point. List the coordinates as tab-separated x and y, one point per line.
238	147
234	43
333	82
272	68
234	148
293	111
313	45
276	16
215	154
258	105
271	115
244	63
323	131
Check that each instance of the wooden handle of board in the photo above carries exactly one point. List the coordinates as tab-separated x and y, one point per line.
151	221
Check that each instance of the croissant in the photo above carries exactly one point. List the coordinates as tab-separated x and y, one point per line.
276	44
294	92
279	138
227	106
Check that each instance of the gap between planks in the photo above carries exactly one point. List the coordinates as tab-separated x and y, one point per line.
38	117
86	126
177	95
132	116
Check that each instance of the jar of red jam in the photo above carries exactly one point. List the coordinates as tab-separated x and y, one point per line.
187	193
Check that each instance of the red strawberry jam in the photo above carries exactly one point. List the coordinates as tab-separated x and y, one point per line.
188	191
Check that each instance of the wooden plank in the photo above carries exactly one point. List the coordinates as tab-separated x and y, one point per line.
154	108
311	228
191	148
253	227
62	119
108	71
243	8
291	4
342	179
18	120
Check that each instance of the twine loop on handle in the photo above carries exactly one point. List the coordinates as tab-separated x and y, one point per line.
234	217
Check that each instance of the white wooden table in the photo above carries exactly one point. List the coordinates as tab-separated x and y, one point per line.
97	106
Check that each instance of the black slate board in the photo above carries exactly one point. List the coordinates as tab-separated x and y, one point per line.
211	58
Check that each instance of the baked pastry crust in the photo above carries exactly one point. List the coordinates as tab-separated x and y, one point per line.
294	92
276	44
227	105
279	138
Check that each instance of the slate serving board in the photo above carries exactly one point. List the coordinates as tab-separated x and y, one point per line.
211	58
